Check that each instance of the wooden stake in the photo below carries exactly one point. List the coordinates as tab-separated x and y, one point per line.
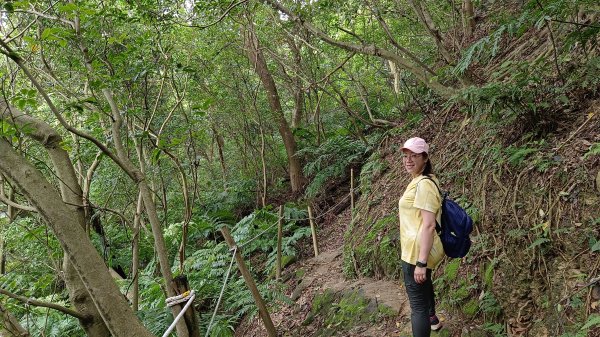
351	189
191	321
279	238
313	231
260	303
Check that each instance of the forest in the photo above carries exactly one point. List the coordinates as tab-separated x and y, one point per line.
245	156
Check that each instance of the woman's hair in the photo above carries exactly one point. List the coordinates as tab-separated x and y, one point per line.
428	169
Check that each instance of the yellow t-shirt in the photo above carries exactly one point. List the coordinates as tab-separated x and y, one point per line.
421	193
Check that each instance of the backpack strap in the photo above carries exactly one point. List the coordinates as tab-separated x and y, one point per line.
436	185
438	226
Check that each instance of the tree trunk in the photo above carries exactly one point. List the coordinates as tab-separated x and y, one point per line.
191	320
297	85
72	196
11	217
220	145
264	167
150	207
260	66
85	260
468	20
135	260
9	325
396	75
432	29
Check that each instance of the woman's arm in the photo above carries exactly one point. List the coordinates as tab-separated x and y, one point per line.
425	243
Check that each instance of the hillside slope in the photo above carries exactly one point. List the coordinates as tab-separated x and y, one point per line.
536	207
520	150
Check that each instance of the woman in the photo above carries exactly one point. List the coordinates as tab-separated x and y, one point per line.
418	209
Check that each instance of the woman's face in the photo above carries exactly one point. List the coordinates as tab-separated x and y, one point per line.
414	163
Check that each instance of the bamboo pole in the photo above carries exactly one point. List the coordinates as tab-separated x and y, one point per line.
279	238
260	303
351	189
313	231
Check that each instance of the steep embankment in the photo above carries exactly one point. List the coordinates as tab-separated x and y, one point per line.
520	151
536	203
536	206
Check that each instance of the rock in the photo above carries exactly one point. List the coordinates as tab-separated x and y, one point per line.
596	292
372	306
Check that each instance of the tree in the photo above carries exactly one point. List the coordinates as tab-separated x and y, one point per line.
72	196
260	65
119	155
409	65
114	310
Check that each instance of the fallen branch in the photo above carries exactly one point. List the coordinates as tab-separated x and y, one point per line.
584	286
590	116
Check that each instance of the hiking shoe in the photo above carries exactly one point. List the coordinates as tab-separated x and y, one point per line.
435	323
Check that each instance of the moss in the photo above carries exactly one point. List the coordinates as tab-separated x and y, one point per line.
348	263
377	253
451	270
389	255
364	259
323	301
340	312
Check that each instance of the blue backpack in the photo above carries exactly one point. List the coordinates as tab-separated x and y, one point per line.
455	227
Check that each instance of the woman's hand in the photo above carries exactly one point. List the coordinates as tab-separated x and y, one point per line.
420	274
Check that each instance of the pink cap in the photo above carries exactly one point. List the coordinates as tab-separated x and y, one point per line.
416	145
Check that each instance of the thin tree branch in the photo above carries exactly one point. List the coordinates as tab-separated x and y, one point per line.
31	301
326	77
46	16
19	61
231	6
393	41
8	202
22	32
372	49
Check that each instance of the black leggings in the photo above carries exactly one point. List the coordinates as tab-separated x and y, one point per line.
422	300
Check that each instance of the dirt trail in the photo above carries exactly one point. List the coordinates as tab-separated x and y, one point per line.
314	276
326	270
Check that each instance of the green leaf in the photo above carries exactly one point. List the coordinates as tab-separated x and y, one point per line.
596	247
8	6
155	156
68	8
50	33
593	151
7	129
538	242
593	320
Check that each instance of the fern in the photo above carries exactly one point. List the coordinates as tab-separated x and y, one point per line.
592	322
489	305
331	160
497	330
371	170
594	150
